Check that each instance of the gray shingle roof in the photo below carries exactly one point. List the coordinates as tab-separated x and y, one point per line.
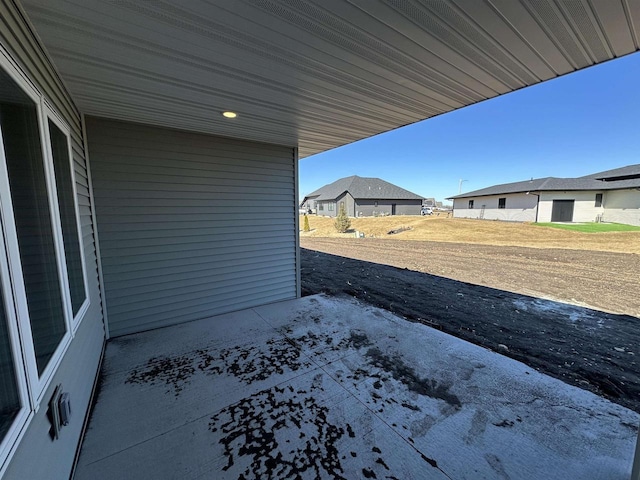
552	184
362	188
628	171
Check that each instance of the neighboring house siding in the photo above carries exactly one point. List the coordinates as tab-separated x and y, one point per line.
310	203
584	209
408	207
461	207
618	206
622	206
349	204
37	456
326	208
518	207
368	208
190	225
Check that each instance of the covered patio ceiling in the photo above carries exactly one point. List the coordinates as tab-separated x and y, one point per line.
317	74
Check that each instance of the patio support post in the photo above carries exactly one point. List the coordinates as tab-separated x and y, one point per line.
296	160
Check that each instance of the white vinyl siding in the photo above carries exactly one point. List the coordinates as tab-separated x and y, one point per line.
519	207
32	453
622	206
584	209
618	206
190	225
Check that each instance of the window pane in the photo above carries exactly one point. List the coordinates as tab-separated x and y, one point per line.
598	199
66	205
23	153
9	399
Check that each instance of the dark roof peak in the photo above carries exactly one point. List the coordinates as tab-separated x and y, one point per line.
629	172
363	188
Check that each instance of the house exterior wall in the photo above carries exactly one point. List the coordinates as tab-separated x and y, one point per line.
519	207
326	208
618	206
349	204
190	225
584	209
368	208
310	204
35	455
622	206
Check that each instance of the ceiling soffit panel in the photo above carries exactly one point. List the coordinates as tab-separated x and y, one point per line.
317	74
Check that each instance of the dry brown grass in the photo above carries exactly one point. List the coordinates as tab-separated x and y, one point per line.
486	232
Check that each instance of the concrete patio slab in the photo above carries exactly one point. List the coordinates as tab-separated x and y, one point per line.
329	388
174	387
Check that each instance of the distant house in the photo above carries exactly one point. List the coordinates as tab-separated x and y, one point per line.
363	197
609	196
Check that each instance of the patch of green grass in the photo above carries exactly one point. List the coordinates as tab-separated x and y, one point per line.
591	227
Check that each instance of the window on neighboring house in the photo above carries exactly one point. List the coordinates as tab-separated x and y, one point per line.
331	206
598	199
470	204
43	293
502	203
320	206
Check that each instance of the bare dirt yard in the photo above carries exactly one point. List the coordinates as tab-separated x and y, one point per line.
521	290
482	232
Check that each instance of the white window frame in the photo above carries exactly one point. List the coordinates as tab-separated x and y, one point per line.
32	386
38	383
50	114
26	413
601	200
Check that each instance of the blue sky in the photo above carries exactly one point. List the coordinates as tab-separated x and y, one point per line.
575	125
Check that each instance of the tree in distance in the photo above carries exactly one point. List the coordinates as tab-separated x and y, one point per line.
306	223
342	222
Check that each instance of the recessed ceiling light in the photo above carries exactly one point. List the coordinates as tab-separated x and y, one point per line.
229	114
